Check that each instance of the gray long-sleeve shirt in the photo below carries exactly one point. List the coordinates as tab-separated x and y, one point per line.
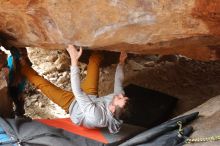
93	112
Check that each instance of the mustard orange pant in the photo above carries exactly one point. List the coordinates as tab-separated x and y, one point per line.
59	96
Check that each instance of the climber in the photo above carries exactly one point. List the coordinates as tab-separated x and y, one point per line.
83	105
16	80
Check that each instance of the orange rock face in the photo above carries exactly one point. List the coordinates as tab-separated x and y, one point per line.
187	27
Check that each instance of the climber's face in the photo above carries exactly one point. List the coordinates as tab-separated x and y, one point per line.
120	100
118	105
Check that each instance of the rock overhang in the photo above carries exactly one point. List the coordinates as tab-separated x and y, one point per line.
187	27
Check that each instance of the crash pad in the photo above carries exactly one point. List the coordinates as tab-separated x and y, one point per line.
100	135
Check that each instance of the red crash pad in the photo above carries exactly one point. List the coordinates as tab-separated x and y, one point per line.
67	125
101	135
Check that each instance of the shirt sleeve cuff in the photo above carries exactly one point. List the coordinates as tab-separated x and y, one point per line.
74	69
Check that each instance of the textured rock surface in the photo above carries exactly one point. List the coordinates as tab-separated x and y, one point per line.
208	123
5	100
188	27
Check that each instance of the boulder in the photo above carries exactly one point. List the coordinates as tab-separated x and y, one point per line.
208	123
187	27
